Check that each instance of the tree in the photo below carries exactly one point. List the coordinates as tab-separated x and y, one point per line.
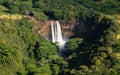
73	44
14	9
58	14
25	7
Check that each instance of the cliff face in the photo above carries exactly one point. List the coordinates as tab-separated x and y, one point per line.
69	28
44	28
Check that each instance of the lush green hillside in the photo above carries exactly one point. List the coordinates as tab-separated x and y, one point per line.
24	52
93	52
104	6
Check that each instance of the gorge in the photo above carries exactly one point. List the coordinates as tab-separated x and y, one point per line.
59	37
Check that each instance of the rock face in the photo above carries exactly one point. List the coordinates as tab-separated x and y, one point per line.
69	28
45	30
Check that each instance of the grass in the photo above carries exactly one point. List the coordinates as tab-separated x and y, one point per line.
11	16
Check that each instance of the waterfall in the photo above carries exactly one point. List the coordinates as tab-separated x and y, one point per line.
57	34
53	33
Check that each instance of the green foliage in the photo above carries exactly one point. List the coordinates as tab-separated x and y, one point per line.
104	6
10	48
1	1
73	44
116	46
3	8
19	49
98	0
23	52
40	4
58	14
40	16
42	51
55	69
14	9
43	71
25	7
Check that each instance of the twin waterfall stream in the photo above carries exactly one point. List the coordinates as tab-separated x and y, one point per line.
57	35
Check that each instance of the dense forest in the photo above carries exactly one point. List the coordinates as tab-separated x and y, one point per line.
93	52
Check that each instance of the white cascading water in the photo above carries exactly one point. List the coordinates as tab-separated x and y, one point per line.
57	34
53	33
